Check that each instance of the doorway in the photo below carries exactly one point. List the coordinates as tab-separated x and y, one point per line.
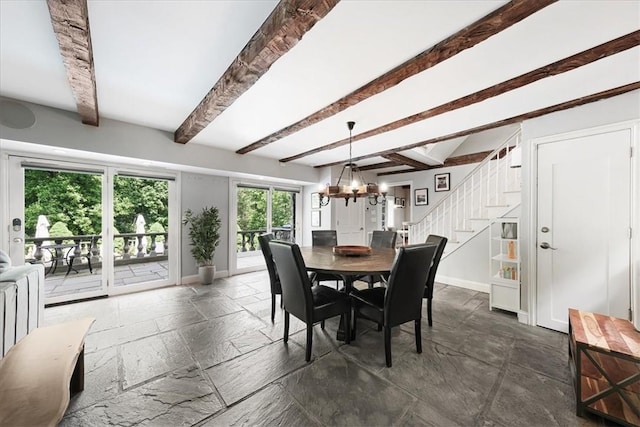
260	209
97	230
583	224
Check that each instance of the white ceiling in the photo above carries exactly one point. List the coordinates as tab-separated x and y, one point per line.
155	61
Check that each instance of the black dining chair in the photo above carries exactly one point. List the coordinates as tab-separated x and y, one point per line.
401	300
440	242
380	239
276	288
311	304
327	238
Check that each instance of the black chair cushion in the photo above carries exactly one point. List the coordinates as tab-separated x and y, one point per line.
370	303
328	302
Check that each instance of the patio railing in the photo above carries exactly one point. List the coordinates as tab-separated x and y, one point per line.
130	247
248	239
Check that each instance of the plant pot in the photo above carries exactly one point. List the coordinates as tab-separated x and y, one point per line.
207	273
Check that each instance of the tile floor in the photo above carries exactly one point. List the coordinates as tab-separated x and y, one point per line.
210	356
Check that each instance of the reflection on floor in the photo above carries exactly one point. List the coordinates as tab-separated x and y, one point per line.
209	355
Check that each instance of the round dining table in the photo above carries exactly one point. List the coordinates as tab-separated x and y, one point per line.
321	259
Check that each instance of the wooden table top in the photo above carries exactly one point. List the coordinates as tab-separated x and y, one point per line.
321	259
605	332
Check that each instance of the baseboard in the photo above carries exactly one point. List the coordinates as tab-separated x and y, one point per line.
195	279
462	283
523	317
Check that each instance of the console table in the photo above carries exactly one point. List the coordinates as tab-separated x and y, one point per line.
604	354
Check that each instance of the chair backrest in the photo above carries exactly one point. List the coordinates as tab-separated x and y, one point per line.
296	286
383	239
264	240
324	238
440	243
403	299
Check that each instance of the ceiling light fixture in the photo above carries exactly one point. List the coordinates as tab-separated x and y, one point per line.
356	187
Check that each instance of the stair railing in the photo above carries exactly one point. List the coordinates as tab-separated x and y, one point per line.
481	189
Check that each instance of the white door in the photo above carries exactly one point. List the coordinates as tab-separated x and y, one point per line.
350	221
583	227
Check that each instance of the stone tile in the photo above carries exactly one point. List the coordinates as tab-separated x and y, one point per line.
120	335
149	357
240	377
154	309
182	398
411	419
455	295
527	398
237	292
212	342
178	320
492	349
101	380
368	347
323	341
275	331
216	306
249	299
271	406
546	360
105	311
451	383
337	391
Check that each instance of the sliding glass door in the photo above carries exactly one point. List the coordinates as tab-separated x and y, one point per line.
96	230
260	209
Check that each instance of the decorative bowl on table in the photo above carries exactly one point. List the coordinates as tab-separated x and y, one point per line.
352	250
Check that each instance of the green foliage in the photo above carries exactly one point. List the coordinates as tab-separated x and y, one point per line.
252	209
204	233
59	229
156	227
76	200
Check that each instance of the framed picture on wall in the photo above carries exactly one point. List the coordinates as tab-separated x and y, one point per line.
402	202
315	200
396	201
441	182
315	218
421	196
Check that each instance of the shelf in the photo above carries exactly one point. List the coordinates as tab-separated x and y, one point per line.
502	281
504	258
500	239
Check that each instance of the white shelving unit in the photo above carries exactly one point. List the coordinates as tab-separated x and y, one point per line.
504	265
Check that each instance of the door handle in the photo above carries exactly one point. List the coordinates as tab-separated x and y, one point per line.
545	245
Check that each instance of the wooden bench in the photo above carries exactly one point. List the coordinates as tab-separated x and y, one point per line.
39	373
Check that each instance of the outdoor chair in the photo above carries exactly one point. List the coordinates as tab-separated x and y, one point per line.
401	300
307	303
276	288
440	242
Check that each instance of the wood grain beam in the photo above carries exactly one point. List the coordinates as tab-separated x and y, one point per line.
511	120
399	158
378	166
70	20
588	56
451	161
284	27
491	24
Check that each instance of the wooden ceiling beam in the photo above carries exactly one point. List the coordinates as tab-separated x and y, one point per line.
399	158
491	24
284	27
379	166
588	56
451	161
511	120
70	20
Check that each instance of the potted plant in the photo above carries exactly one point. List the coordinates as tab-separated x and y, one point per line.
204	236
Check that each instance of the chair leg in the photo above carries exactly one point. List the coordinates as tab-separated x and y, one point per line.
322	324
273	307
429	312
286	326
309	341
348	325
355	320
418	336
387	345
370	282
379	327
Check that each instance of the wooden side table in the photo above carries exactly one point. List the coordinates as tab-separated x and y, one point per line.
604	354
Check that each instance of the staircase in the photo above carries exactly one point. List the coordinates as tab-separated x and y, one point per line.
491	190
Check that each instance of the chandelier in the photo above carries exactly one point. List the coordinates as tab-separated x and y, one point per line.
356	186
